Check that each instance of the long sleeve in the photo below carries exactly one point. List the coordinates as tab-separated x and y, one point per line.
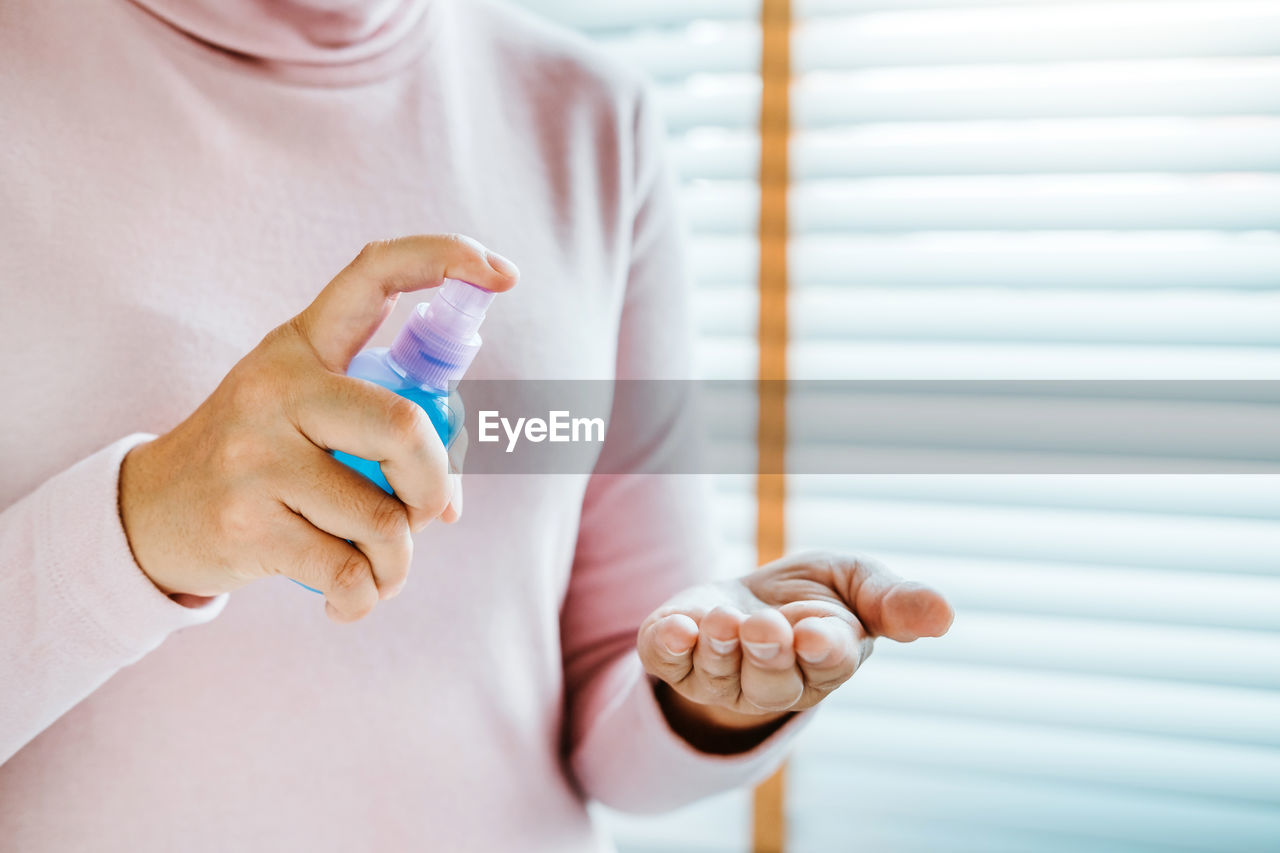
644	536
74	606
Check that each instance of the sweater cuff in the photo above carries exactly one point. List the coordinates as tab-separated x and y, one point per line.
634	761
90	563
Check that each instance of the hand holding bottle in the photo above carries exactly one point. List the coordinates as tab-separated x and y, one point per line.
245	487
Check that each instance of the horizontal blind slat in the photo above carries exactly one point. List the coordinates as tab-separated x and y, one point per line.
1039	147
962	314
1096	537
830	417
1154	87
1090	701
890	832
1107	759
1167	496
829	804
1082	261
593	15
1004	360
1202	87
1031	202
1208	599
1001	203
1118	29
620	15
1084	146
1039	643
807	9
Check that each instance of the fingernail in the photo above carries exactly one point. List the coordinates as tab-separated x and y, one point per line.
812	657
674	651
722	647
501	264
391	592
762	651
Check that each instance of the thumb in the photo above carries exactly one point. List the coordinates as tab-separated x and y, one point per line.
890	607
351	307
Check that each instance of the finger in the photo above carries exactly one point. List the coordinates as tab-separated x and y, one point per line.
365	420
829	650
453	511
890	607
324	562
341	502
717	657
457	427
457	454
805	608
459	441
770	679
351	307
666	647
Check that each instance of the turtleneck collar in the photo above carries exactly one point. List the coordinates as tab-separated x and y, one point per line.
321	40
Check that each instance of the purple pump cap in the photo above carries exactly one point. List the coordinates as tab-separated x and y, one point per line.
440	339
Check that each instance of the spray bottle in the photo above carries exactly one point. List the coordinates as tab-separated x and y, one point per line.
434	349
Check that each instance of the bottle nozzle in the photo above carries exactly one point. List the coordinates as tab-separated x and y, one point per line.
440	339
466	298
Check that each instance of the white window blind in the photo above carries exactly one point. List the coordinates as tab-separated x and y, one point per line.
1040	189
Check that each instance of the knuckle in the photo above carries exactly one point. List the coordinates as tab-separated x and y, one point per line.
236	519
831	567
724	685
674	658
253	388
461	241
371	251
290	330
388	520
654	665
775	698
294	336
406	421
437	502
245	389
464	247
241	453
360	609
393	576
349	574
656	660
822	559
829	683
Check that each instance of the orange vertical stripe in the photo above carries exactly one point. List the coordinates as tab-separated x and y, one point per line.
769	829
769	824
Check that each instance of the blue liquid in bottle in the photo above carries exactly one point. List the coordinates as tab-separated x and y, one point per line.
375	365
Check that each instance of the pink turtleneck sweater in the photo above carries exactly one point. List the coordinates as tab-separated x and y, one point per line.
176	178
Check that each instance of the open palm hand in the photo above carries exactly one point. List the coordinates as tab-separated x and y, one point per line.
785	636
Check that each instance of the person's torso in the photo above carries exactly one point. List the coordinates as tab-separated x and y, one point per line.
165	207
